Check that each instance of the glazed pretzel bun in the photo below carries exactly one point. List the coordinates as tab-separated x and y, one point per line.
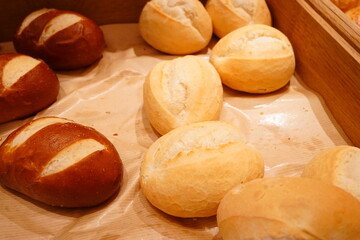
63	39
27	85
61	163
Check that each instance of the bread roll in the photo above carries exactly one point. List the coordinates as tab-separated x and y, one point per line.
354	15
27	85
255	59
338	165
182	91
345	5
186	172
176	26
228	15
61	163
288	208
63	39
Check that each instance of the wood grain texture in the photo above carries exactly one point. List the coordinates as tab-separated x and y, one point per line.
338	20
326	61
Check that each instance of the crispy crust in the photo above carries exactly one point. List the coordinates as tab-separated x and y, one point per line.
86	183
78	45
34	91
288	208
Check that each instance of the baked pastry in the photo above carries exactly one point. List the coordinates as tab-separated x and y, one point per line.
288	208
61	163
345	5
186	172
338	165
182	91
228	15
255	59
175	26
63	39
354	15
27	85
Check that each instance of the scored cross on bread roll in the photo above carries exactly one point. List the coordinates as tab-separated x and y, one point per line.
182	91
187	171
27	85
61	163
176	26
63	39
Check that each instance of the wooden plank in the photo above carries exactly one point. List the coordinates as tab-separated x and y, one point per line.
338	20
326	62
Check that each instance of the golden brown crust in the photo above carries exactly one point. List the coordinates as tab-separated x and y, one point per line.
288	208
339	165
187	171
227	16
256	58
34	91
78	45
173	34
86	183
182	91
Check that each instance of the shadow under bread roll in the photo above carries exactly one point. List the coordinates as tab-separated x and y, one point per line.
61	163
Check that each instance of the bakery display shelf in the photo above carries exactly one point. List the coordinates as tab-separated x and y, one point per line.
319	108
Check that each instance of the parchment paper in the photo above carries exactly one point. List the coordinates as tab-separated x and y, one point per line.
288	127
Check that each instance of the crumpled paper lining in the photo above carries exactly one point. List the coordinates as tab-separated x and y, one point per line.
288	127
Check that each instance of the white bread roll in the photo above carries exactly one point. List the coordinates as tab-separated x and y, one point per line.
61	163
176	26
228	15
27	85
345	5
63	39
186	172
338	165
354	15
256	59
288	208
182	91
